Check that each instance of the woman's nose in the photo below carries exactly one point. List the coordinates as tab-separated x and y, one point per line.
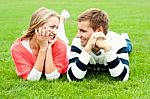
54	31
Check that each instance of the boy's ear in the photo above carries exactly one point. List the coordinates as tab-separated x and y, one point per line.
100	29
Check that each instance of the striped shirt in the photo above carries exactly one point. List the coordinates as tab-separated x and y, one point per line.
116	61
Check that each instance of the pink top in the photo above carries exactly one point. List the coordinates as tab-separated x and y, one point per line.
24	60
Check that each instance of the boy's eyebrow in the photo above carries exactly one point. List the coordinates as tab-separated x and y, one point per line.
83	30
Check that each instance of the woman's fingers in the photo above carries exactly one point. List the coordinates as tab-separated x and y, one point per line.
36	32
40	31
47	33
43	32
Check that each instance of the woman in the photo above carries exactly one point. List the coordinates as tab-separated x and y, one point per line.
40	51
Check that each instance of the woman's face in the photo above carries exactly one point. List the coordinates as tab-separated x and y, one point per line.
52	26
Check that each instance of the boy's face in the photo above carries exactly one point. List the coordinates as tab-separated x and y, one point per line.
84	31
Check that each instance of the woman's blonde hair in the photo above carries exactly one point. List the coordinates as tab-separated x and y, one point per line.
39	17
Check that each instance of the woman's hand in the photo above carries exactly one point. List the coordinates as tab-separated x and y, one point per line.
42	35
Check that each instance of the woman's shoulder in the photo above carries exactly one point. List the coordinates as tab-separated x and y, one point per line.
59	45
17	44
59	42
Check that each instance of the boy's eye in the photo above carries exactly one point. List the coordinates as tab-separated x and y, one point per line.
81	30
51	27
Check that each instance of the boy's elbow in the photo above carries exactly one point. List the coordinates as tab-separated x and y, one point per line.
71	76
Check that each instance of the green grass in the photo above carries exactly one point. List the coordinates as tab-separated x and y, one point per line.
131	16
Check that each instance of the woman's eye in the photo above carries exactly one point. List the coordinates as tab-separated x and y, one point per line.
52	27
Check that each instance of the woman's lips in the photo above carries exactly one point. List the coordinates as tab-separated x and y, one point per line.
52	36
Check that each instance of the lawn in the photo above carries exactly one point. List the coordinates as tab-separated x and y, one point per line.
131	16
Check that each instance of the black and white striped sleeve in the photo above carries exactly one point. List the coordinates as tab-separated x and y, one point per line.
118	63
78	60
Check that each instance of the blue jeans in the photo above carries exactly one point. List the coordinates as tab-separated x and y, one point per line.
129	46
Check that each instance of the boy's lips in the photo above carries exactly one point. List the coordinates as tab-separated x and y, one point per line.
82	40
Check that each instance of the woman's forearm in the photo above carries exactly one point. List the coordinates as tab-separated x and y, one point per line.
39	64
49	63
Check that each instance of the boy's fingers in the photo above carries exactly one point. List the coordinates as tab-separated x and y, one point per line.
100	35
